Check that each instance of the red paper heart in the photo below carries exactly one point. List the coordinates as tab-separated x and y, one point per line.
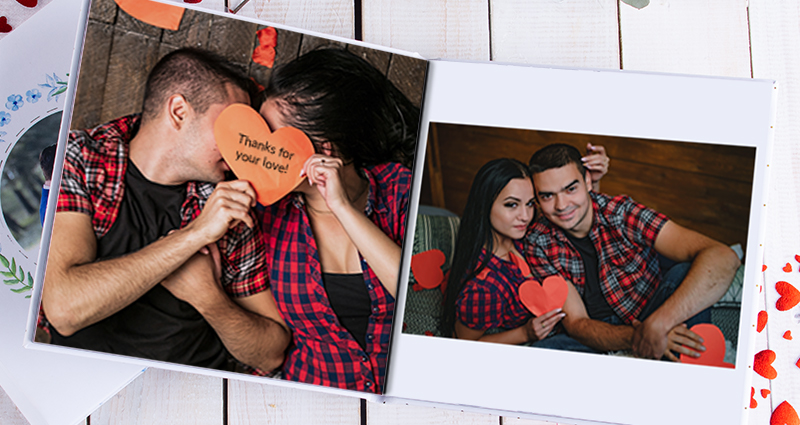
784	414
787	335
797	258
427	268
790	296
765	393
4	27
753	402
264	54
271	162
787	268
763	267
762	364
150	12
714	341
548	296
28	3
762	321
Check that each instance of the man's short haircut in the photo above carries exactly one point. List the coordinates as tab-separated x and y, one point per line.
200	76
46	159
556	156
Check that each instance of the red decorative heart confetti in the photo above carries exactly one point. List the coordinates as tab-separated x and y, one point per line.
753	402
271	162
797	258
192	1
548	296
790	296
28	3
763	267
714	341
762	364
787	268
787	335
4	27
264	54
157	14
765	392
762	321
798	363
784	414
427	268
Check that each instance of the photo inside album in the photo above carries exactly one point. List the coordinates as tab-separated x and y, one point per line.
232	198
592	238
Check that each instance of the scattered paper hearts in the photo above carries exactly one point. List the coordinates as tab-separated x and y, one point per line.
28	3
4	27
790	296
427	268
714	341
271	162
765	393
157	14
762	364
548	296
264	54
787	268
753	402
762	321
784	414
787	335
797	258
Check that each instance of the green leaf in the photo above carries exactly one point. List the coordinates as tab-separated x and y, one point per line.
4	260
27	296
22	274
20	290
60	90
8	274
639	4
30	280
13	267
11	281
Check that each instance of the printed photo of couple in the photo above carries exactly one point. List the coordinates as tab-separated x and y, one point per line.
160	252
592	244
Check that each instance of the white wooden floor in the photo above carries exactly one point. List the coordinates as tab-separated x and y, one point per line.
736	38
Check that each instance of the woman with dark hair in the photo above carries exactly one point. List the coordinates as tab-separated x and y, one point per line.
482	295
334	245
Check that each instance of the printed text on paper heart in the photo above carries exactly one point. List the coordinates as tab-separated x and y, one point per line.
265	160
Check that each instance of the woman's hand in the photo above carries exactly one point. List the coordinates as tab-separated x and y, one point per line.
683	341
541	326
596	161
324	172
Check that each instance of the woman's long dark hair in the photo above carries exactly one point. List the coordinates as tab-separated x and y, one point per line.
335	96
475	231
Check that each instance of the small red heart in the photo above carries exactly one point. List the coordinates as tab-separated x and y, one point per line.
548	296
264	54
787	268
797	258
28	3
4	27
765	393
714	341
787	335
784	414
762	321
763	267
428	333
427	268
753	402
762	364
790	296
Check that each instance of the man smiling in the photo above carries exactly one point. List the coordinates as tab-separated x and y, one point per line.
606	249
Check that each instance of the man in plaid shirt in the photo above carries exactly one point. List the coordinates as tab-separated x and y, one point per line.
606	249
148	238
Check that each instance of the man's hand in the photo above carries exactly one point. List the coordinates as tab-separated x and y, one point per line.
683	341
197	281
541	326
227	206
649	339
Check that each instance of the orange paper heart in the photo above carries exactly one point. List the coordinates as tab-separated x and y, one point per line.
765	393
762	321
714	341
787	335
548	296
427	268
787	268
784	414
762	364
271	162
790	296
157	14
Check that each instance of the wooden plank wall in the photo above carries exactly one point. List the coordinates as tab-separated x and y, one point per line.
706	188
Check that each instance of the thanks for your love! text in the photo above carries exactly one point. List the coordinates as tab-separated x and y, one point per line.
264	161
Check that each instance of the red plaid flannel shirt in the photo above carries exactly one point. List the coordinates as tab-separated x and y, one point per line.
491	299
624	234
323	352
93	182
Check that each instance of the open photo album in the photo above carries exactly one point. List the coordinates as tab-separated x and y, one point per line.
250	201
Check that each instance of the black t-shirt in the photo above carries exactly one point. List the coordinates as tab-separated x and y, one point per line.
596	305
349	298
156	326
